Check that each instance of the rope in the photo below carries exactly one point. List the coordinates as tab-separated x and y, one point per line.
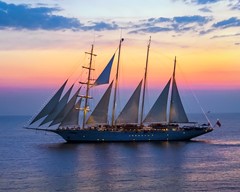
195	97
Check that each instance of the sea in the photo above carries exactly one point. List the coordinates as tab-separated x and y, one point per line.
34	161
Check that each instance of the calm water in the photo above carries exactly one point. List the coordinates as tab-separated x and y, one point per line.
38	161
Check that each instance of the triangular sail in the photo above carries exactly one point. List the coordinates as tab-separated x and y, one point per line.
158	112
72	117
129	114
177	112
100	113
58	108
105	75
66	109
51	104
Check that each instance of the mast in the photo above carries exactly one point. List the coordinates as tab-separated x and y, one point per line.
171	96
145	82
86	108
175	62
116	82
177	112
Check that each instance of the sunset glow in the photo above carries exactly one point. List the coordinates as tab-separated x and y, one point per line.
43	52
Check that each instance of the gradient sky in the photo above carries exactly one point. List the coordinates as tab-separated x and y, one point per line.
42	42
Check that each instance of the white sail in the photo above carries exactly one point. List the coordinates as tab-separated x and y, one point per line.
100	113
177	112
58	108
129	114
66	109
158	112
72	117
51	104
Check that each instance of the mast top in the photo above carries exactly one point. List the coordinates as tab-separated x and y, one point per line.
175	63
149	42
91	53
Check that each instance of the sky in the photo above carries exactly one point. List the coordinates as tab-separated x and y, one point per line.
44	42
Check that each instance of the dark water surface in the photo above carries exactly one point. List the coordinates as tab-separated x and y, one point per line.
39	161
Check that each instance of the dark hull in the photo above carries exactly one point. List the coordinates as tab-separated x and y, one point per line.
83	136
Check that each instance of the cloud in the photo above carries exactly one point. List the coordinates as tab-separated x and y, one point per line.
182	19
224	24
237	43
200	2
151	30
223	36
43	17
204	32
175	24
204	1
234	5
231	22
205	10
100	26
25	17
192	19
33	18
159	20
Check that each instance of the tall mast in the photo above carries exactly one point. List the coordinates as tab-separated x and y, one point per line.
116	83
145	82
88	83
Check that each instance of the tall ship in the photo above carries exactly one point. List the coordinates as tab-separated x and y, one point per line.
165	121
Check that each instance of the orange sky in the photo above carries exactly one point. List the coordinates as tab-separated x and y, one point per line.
202	69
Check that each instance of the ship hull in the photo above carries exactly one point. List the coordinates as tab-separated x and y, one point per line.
84	136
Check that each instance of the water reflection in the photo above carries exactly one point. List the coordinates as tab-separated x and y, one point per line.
117	166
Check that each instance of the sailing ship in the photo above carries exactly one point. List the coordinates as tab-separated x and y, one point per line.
157	125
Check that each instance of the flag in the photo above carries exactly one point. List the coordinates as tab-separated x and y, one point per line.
218	123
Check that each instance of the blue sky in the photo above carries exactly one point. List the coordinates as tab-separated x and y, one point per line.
203	20
134	16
